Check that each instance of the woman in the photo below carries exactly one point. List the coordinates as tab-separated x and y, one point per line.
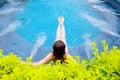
60	50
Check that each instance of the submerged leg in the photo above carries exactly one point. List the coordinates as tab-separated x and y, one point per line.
60	34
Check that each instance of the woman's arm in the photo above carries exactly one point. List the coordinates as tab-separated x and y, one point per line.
48	58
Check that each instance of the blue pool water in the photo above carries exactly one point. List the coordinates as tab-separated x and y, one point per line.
28	28
42	18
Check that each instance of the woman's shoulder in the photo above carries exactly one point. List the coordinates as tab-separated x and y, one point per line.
52	55
66	55
70	58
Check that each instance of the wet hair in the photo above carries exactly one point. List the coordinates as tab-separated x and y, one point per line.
59	49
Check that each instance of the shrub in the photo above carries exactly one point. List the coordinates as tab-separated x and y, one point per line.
104	65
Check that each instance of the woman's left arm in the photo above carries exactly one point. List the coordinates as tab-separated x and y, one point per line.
48	58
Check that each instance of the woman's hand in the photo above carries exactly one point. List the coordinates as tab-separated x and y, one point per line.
35	64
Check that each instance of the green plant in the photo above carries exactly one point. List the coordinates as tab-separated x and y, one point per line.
104	65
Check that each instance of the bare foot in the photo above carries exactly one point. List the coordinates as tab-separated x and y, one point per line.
60	19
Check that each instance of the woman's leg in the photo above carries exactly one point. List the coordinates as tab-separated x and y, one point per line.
60	34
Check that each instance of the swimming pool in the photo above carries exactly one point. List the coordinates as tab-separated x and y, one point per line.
32	26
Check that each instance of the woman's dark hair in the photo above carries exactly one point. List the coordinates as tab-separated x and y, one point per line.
59	49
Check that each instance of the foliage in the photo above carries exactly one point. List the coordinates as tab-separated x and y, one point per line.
104	66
